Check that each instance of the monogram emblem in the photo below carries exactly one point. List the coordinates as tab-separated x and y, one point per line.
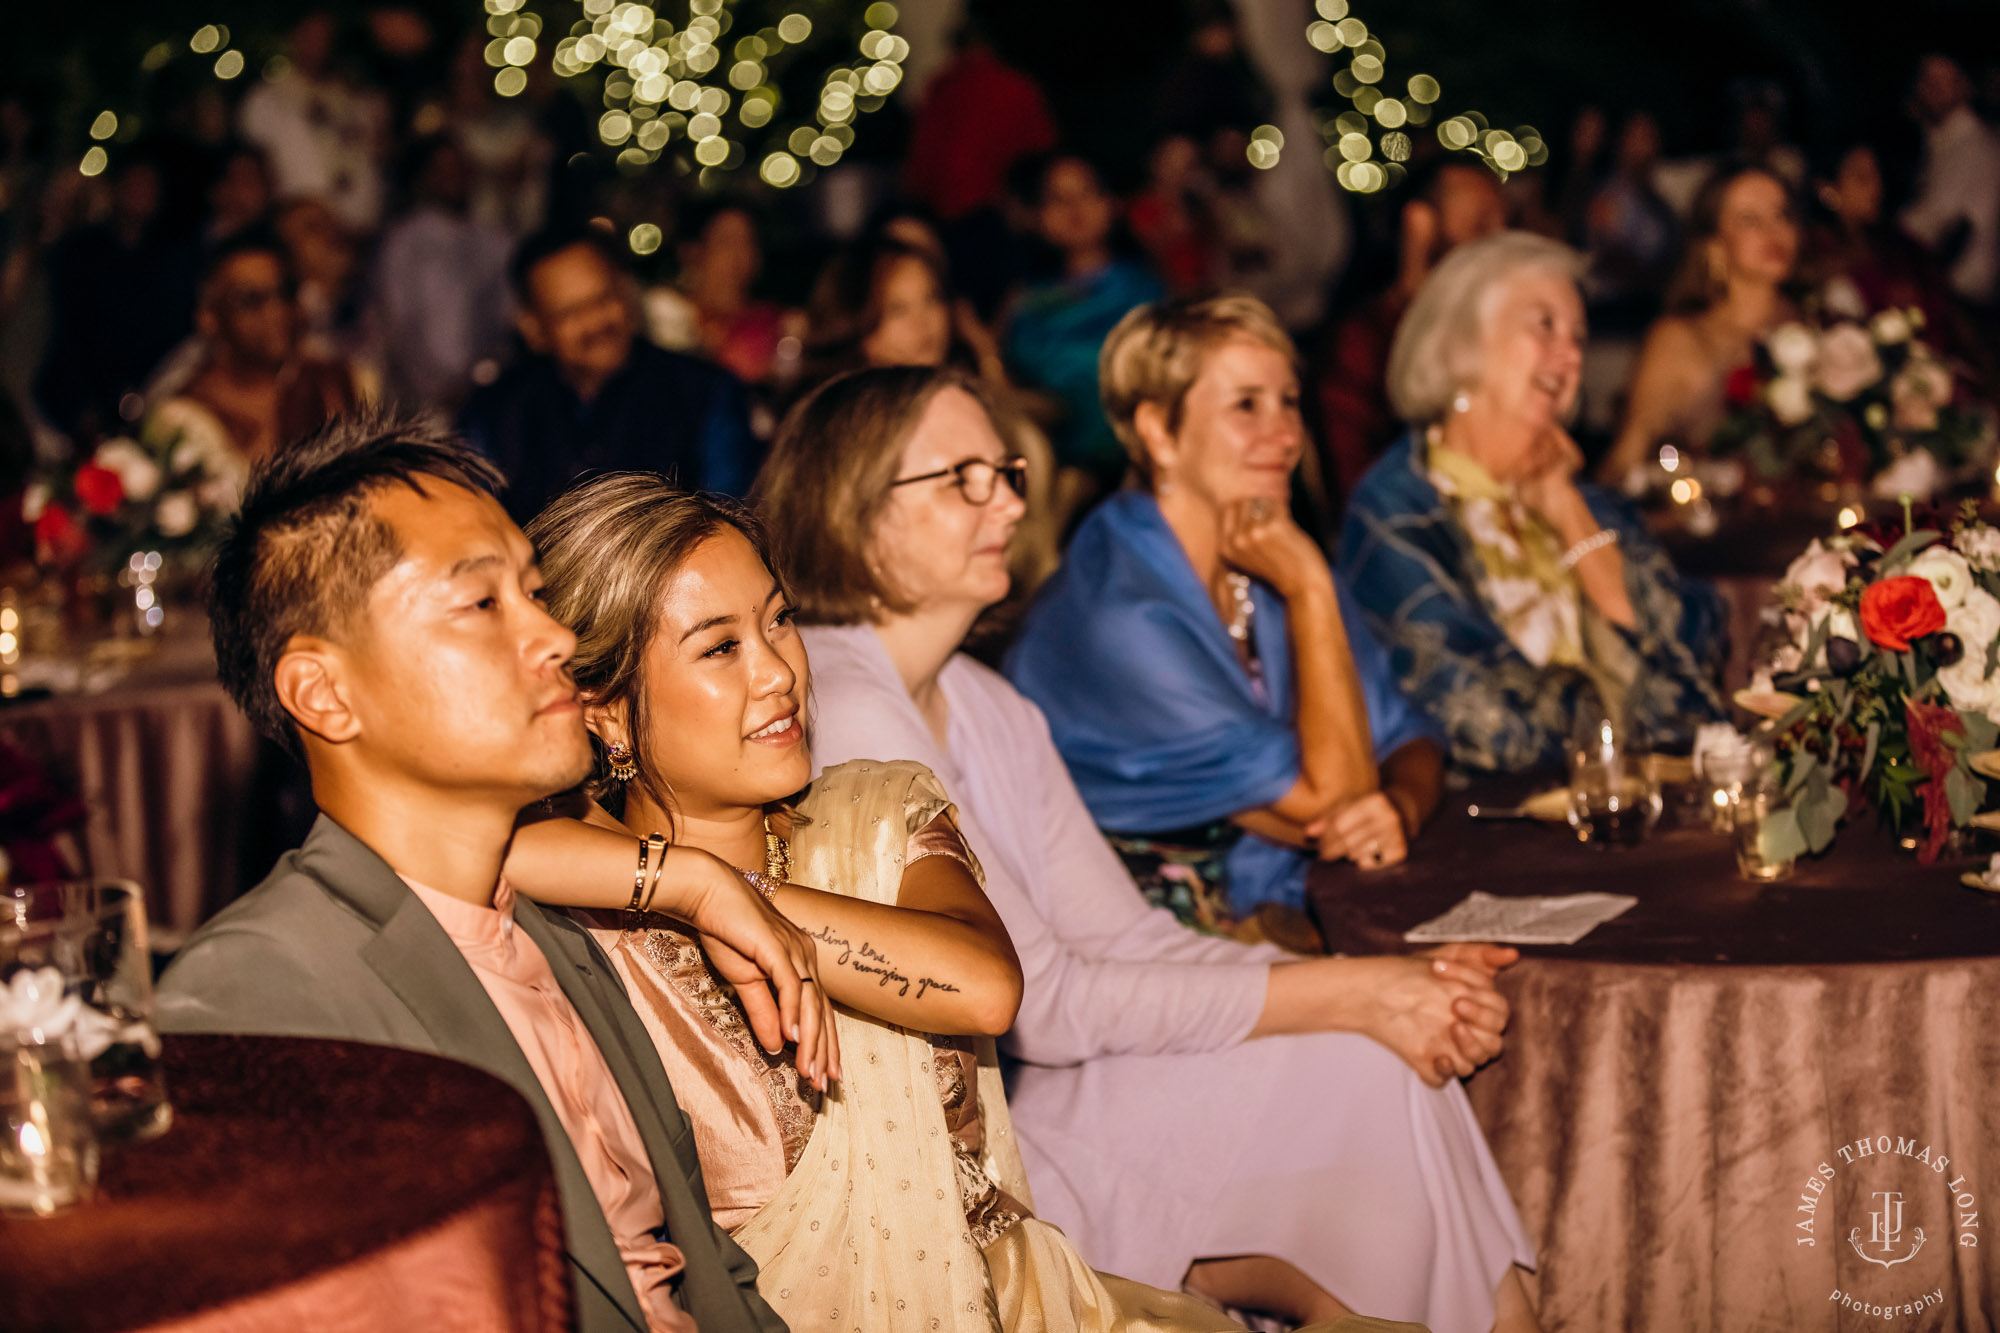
1885	1231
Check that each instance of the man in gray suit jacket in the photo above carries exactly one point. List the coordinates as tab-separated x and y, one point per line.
375	609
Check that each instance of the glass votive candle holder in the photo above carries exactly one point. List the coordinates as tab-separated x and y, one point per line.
48	1137
1750	808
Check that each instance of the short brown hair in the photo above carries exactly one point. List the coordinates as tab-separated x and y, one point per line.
827	478
607	547
306	546
1154	355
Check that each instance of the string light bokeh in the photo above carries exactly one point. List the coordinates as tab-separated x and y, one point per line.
209	43
697	93
1368	145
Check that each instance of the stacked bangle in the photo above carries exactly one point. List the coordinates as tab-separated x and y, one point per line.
653	853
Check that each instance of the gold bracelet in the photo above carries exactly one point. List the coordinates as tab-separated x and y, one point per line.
657	842
638	884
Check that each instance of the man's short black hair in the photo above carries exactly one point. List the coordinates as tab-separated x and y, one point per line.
553	241
306	547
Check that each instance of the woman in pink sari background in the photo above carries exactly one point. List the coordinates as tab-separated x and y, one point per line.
1279	1134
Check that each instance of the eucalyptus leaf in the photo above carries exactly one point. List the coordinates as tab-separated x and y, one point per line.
1803	766
1874	739
1779	838
1980	733
1964	793
1819	816
1815	642
1902	551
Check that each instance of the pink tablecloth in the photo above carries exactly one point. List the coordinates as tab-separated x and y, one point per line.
163	761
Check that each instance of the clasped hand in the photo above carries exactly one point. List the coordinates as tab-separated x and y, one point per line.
1438	1010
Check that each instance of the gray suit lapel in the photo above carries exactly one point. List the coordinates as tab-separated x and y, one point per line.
418	962
588	978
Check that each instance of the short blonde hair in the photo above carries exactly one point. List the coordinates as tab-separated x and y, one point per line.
1436	350
1154	355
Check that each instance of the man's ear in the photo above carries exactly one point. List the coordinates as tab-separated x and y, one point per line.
1150	420
313	687
531	331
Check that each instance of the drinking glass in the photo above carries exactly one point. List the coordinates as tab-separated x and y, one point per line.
1759	795
92	935
1613	799
48	1140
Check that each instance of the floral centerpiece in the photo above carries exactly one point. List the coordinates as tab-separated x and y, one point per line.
165	489
1885	688
1850	401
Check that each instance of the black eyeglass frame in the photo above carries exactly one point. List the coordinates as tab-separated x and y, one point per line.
1013	468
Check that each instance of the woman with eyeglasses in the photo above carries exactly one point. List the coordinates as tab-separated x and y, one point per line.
1272	1132
1223	710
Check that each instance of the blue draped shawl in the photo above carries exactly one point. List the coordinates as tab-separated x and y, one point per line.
1153	711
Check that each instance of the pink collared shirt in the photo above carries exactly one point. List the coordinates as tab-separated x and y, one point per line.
579	1085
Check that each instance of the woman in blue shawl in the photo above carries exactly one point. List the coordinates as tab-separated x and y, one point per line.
1224	711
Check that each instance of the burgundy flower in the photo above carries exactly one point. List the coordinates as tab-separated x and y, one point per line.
99	490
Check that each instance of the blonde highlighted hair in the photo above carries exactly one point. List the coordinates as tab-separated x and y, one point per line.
1154	355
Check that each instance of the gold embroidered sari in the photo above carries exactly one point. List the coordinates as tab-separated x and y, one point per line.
898	1202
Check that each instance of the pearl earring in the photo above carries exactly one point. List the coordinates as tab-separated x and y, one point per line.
622	767
1461	402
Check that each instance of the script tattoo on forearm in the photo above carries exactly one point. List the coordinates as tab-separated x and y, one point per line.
870	961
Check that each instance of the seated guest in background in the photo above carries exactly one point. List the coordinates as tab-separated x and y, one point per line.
1731	289
711	309
1218	701
593	396
885	302
325	260
375	612
695	683
440	306
1458	201
1169	1128
239	196
1506	588
1056	324
1957	208
255	388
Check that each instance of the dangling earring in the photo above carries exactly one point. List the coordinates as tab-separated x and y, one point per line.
1461	402
1163	485
622	767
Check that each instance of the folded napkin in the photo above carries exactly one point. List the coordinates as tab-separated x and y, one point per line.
1555	920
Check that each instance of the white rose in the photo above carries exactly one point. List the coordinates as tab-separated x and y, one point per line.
34	499
1721	752
136	470
1790	398
176	514
1841	624
1793	348
1916	474
1890	326
1919	389
1818	574
1976	622
1841	297
1847	362
1980	545
1946	571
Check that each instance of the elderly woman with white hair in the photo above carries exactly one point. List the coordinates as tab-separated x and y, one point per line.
1506	588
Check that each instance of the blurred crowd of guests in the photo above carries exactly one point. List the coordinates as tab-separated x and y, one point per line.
370	221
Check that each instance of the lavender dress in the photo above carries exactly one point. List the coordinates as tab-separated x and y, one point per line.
1154	1133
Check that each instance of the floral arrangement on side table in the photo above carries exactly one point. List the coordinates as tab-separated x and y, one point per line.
164	490
1888	681
1853	401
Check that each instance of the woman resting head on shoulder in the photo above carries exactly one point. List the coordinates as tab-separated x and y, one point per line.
1144	1079
1226	714
1729	290
696	688
1504	585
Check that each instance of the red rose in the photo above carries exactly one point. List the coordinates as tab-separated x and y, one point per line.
1740	389
98	489
1895	611
58	539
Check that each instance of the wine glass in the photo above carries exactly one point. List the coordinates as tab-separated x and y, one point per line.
1613	799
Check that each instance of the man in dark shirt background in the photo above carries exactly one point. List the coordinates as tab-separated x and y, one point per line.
592	397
